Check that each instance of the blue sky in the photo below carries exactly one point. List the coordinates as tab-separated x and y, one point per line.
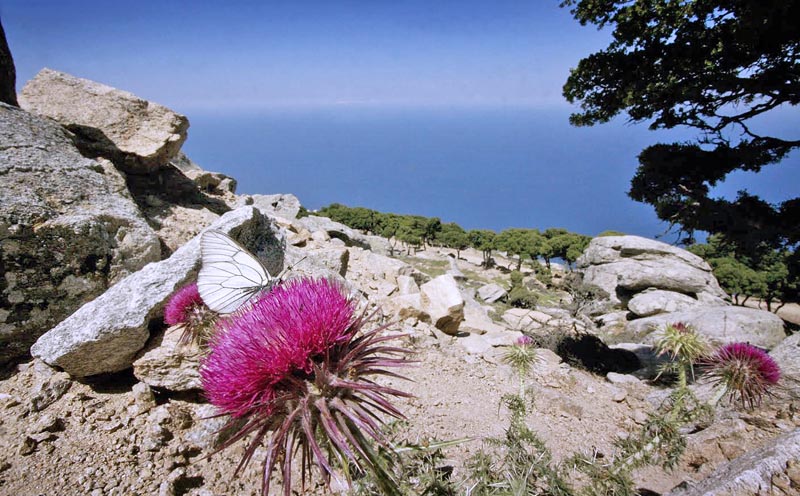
199	54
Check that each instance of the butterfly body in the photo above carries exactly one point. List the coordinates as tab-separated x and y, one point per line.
230	275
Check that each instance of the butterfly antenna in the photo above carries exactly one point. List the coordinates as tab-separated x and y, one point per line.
289	268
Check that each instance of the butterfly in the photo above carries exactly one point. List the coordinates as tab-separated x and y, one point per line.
230	275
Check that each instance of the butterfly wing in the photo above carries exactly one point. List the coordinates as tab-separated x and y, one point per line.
230	275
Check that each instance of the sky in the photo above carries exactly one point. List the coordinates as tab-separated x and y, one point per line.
202	54
216	61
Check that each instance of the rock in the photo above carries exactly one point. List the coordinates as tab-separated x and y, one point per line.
625	265
616	378
8	73
320	262
402	307
502	337
454	271
351	237
753	473
319	236
442	301
282	205
657	301
407	285
166	364
68	229
207	429
617	394
787	356
143	396
135	134
719	324
209	182
48	423
105	334
379	245
474	344
490	293
48	390
522	319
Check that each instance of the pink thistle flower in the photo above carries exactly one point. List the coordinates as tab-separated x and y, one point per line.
181	305
185	308
524	340
294	364
744	371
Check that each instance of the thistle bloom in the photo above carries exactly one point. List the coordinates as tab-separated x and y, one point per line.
185	308
524	340
294	363
743	370
521	356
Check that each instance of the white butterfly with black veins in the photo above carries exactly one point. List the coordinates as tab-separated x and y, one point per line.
230	275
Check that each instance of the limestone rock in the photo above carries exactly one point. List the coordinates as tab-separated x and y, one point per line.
454	271
286	206
350	237
68	229
209	182
522	319
502	337
476	318
407	285
442	300
474	344
787	356
719	324
492	292
402	307
105	334
166	364
108	122
320	262
625	265
657	301
753	473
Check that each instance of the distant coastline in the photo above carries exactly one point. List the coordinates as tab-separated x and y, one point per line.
491	167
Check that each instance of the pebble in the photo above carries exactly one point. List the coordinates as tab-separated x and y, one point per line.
615	378
27	446
49	423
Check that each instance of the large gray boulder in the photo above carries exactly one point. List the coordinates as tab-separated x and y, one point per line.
720	324
168	364
491	292
136	134
656	301
286	206
771	469
626	265
787	356
206	181
105	334
68	229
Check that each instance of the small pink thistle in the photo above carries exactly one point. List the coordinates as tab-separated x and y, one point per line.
186	309
294	364
524	340
745	371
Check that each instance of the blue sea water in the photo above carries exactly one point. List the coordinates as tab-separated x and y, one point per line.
482	167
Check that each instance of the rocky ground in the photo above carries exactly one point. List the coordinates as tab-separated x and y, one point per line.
116	435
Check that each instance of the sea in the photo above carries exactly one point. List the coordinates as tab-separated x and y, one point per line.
487	167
